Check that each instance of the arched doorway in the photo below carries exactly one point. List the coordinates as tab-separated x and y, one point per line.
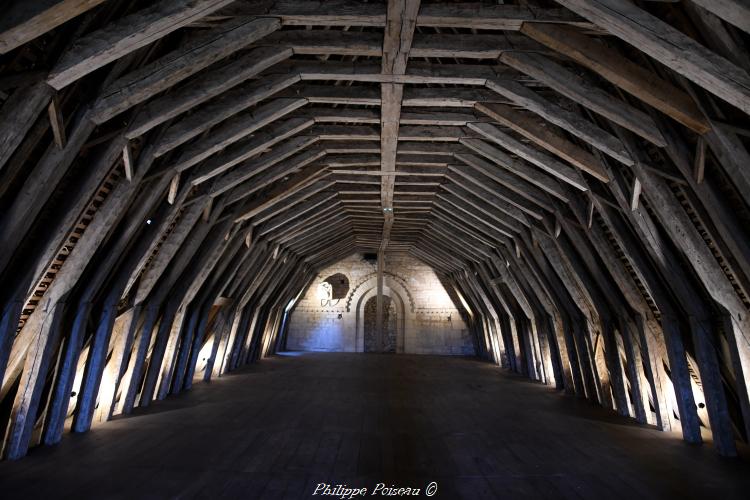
390	325
395	318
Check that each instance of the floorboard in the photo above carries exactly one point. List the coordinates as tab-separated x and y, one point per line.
278	428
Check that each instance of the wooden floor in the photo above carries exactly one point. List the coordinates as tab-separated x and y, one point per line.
277	429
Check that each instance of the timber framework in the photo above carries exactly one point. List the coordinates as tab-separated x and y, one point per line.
173	174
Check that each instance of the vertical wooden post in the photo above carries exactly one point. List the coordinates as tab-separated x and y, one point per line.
94	370
56	121
132	378
33	378
61	394
379	304
713	389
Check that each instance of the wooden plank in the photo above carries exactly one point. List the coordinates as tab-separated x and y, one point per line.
416	72
174	186
506	178
350	13
205	86
249	148
127	161
532	155
239	175
631	77
518	168
364	44
19	112
220	109
390	115
232	131
24	21
506	202
735	12
57	122
274	174
179	64
699	164
280	192
126	35
568	120
669	46
543	134
581	91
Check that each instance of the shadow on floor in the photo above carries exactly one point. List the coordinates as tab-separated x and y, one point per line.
282	427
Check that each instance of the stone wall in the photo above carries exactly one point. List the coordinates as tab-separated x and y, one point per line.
427	321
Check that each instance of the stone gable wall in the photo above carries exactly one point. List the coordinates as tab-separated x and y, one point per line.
428	320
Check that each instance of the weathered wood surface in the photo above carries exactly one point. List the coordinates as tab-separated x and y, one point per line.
578	193
172	68
668	46
620	71
18	116
126	35
25	21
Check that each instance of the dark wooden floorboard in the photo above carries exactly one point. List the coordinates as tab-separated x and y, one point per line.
278	428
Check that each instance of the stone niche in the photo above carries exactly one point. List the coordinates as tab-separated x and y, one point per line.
337	311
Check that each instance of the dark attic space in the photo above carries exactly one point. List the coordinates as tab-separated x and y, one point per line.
299	249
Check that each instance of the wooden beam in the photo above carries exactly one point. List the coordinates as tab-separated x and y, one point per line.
127	161
532	155
401	18
223	107
581	91
174	187
275	174
518	168
669	46
127	35
237	176
57	122
364	44
504	177
390	115
699	164
444	15
18	115
24	21
280	192
632	78
209	85
179	64
248	148
545	135
416	72
232	131
735	12
568	120
206	217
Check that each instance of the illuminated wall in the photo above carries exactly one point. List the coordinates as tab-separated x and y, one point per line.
331	318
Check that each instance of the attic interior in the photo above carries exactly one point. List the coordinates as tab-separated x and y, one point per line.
558	191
